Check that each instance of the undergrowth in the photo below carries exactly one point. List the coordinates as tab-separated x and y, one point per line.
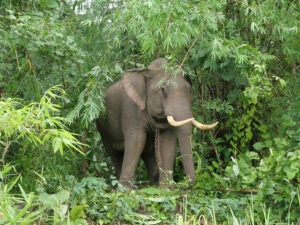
94	201
243	60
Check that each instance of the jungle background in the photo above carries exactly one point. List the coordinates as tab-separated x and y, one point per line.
58	56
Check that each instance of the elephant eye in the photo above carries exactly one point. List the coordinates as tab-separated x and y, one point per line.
164	92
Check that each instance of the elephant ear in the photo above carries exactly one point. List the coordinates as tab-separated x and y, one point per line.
134	83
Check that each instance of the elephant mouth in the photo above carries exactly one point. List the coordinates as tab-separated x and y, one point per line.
160	119
192	120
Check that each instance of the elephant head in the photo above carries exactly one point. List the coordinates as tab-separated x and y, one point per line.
165	98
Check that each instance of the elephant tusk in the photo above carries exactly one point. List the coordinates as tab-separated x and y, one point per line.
174	123
202	126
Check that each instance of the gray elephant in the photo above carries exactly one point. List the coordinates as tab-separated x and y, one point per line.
146	111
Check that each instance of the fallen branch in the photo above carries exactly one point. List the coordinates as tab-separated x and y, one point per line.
244	191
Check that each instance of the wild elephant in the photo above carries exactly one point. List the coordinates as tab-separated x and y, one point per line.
146	111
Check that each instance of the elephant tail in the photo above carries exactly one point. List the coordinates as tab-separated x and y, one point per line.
101	129
105	137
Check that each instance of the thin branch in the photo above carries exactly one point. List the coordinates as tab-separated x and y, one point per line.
5	151
217	154
188	51
17	58
244	191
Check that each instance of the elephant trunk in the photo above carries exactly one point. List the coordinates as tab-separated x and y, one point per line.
184	137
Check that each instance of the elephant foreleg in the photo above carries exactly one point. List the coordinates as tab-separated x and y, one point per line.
134	145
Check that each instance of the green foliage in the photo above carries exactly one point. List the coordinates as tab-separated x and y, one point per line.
88	103
243	59
58	202
29	208
25	215
162	27
32	133
33	47
36	123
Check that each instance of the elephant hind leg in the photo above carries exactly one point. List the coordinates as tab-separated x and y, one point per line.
117	159
151	166
134	144
116	156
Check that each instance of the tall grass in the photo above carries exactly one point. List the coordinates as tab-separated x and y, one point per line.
252	216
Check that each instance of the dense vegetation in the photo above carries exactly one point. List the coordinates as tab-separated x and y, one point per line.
58	56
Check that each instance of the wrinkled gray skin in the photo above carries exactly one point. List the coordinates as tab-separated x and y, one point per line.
136	107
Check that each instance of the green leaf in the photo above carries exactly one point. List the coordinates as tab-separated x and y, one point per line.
78	212
236	169
58	145
252	155
54	200
156	199
49	3
118	69
259	145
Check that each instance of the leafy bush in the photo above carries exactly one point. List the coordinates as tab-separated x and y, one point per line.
38	125
32	209
243	61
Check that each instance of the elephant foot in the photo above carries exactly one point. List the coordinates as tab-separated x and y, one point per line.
154	180
187	184
125	186
166	179
168	185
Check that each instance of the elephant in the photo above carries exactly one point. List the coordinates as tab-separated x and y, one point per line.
145	113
